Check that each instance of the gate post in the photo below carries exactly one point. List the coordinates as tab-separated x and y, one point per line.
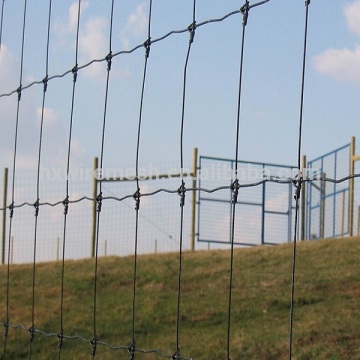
193	205
303	198
353	159
322	206
351	186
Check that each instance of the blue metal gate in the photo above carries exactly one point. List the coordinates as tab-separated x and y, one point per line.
328	202
264	213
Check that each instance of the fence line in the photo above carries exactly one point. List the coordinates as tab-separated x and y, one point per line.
209	175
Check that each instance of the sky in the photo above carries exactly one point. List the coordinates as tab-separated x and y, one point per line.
271	83
270	102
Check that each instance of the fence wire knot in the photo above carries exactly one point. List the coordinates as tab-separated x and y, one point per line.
108	59
297	183
11	208
93	343
45	82
234	187
245	11
66	205
99	199
60	339
37	206
181	192
131	350
19	90
192	28
136	197
147	44
74	70
6	327
31	332
176	355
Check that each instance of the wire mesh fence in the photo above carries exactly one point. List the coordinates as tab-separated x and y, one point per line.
158	230
265	212
58	213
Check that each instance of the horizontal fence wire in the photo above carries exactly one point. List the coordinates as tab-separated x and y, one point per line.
118	53
275	180
158	216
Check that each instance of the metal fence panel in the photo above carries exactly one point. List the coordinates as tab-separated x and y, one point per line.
264	213
328	202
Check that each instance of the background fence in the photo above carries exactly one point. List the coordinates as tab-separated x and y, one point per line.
158	225
332	208
265	212
328	203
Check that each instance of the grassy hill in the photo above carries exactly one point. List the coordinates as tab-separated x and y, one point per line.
326	319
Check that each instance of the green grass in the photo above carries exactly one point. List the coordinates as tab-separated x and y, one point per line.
326	317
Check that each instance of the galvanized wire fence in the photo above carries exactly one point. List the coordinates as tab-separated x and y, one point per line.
47	225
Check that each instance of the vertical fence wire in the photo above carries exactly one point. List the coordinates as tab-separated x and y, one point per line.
1	23
37	202
99	196
66	200
297	182
235	185
182	188
11	207
3	251
137	194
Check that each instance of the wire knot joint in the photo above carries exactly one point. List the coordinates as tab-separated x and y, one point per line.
131	350
245	11
36	206
136	197
147	45
191	29
74	70
297	183
108	59
19	90
234	187
60	339
93	343
45	83
6	327
99	199
176	355
11	208
31	332
181	192
66	205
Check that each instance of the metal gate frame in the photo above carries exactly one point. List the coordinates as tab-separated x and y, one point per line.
264	212
325	194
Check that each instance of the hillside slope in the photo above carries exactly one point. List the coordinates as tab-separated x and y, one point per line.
326	318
